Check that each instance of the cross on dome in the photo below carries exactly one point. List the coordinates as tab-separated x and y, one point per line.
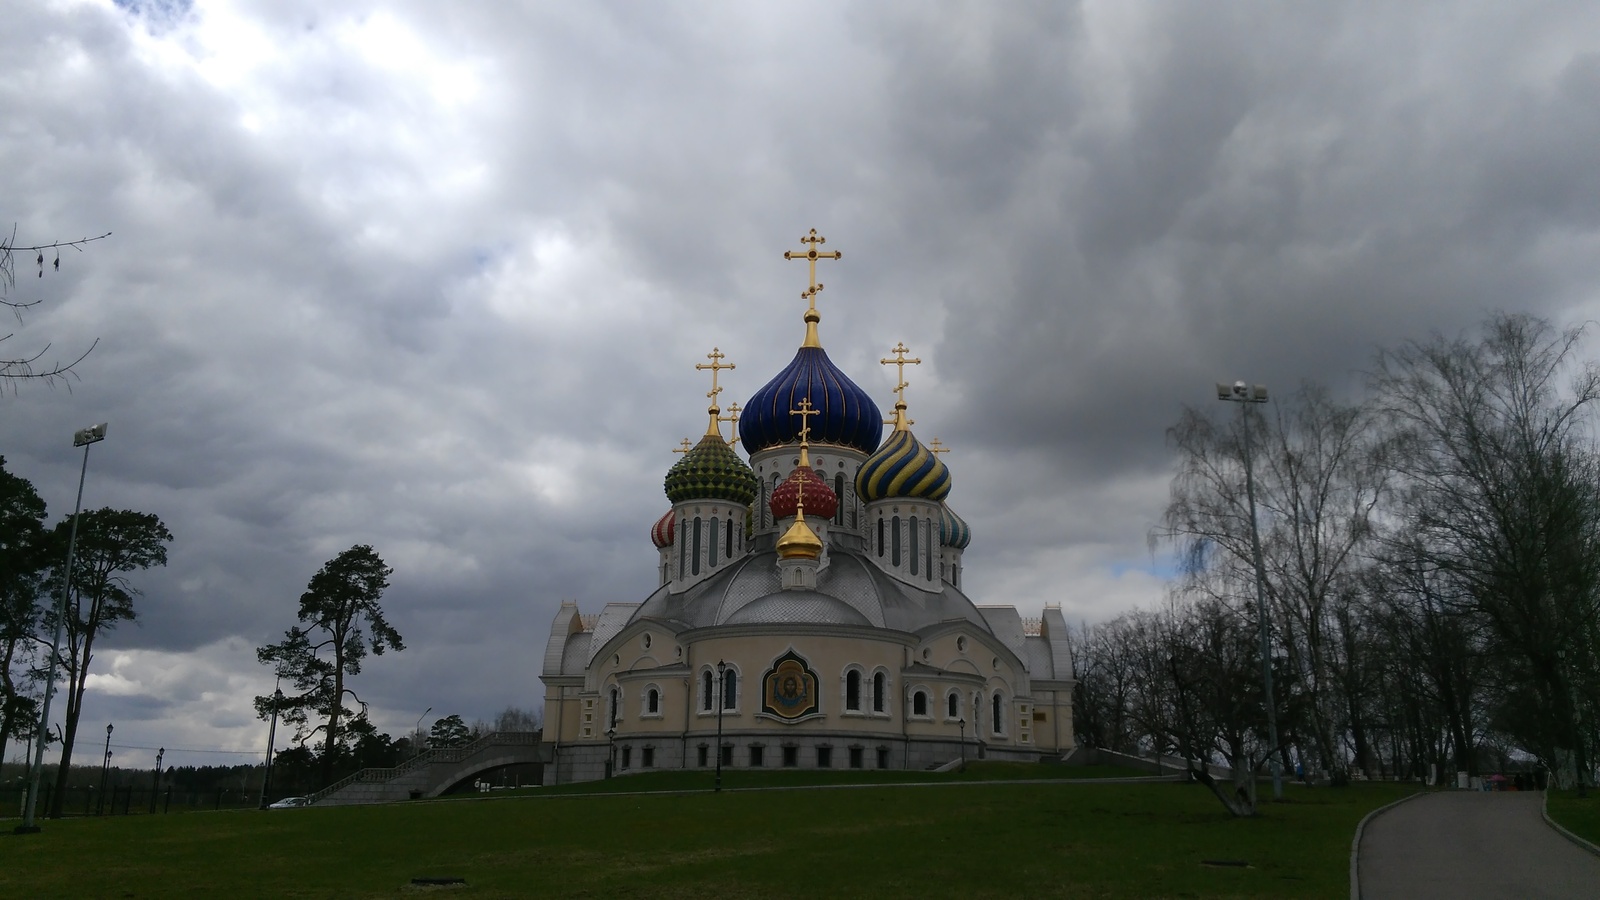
684	447
805	412
937	446
900	421
811	254
716	365
733	419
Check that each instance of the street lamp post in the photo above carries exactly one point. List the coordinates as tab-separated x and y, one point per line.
272	741
155	785
611	750
1244	394
105	769
722	687
83	438
962	722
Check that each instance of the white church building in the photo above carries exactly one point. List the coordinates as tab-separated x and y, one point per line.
810	611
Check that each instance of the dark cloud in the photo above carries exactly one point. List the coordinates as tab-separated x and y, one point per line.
435	279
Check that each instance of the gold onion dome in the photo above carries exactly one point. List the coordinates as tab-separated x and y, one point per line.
800	542
903	467
711	471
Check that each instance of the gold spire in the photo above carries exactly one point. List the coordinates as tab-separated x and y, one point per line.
811	254
900	421
716	365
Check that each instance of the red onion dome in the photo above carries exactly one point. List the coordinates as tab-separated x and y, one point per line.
661	532
820	499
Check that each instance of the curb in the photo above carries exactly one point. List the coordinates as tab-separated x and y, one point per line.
1355	843
1544	810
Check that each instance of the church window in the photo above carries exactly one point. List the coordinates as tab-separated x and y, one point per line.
646	640
791	757
683	551
894	542
953	706
961	644
955	576
695	550
627	757
652	702
729	539
824	757
714	542
755	756
919	703
838	491
704	756
612	712
649	757
708	686
880	537
730	690
727	754
914	530
879	689
855	757
852	691
883	757
927	562
997	721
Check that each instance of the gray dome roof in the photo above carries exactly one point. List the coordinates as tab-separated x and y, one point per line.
847	579
788	607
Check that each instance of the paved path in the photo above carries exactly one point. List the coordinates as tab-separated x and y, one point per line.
1472	845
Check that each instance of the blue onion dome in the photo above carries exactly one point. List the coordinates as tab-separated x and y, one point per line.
845	416
953	530
711	471
903	467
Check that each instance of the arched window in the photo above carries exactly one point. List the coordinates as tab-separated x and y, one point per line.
880	537
683	551
880	686
928	561
731	524
611	713
919	704
838	491
694	552
852	691
995	720
953	706
708	687
894	542
652	702
914	530
714	543
730	689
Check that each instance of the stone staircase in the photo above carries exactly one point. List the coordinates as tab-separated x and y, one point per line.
432	773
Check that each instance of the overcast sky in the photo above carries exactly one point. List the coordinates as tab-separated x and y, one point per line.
434	277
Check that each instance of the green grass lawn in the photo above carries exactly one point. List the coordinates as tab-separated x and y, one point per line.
1067	838
1581	817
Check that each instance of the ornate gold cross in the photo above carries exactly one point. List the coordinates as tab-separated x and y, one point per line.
805	412
811	254
732	418
684	447
900	362
716	356
938	447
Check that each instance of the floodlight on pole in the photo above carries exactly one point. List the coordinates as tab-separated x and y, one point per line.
1244	395
82	438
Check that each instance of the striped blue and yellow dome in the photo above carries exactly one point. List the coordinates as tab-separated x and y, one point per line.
845	415
903	467
953	530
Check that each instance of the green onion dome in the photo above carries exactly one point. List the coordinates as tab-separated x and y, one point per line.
903	467
711	471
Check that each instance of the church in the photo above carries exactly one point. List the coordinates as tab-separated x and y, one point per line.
810	610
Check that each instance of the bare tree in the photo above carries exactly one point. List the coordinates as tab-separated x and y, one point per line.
28	365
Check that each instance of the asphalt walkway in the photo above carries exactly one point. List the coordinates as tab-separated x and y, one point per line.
1466	845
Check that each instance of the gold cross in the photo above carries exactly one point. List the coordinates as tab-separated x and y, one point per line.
716	356
900	362
938	447
811	255
732	418
805	412
684	447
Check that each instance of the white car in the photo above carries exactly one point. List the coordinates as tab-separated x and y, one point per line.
290	803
